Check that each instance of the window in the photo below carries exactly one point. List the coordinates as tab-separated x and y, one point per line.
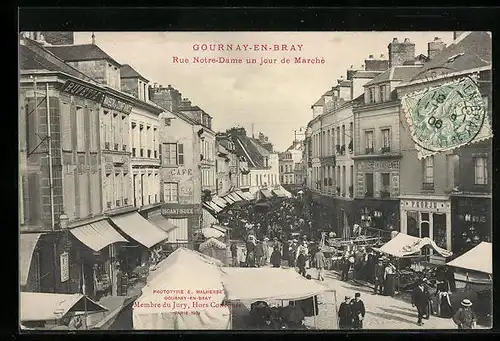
180	154
369	184
80	129
383	93
170	192
343	134
371	95
386	183
428	173
369	141
481	171
386	140
170	154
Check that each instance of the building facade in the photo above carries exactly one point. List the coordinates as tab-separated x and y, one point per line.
227	165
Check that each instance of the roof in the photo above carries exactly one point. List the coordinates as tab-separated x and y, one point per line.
126	71
472	50
253	151
86	52
29	60
328	93
320	102
479	258
405	245
400	73
366	74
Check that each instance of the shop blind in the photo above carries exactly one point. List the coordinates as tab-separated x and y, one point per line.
69	190
66	138
80	129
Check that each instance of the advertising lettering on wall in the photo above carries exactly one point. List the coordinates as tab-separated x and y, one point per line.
80	90
180	210
181	171
64	260
115	104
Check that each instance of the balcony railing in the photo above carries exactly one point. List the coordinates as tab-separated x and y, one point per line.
428	186
369	194
125	201
108	204
141	152
124	147
351	147
116	146
337	148
342	149
385	149
149	152
369	150
118	203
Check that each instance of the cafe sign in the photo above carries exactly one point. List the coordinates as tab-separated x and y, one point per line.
64	260
80	90
115	104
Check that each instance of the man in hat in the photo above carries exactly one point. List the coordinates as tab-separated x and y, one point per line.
419	299
358	311
301	263
320	264
345	314
464	317
379	276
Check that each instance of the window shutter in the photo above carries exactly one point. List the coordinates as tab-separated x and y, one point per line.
66	140
83	192
180	148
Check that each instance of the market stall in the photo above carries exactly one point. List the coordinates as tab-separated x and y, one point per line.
264	284
215	249
182	274
48	310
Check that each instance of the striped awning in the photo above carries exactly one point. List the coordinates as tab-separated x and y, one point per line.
212	206
27	245
208	219
97	235
162	223
235	197
180	232
219	201
266	193
229	199
139	229
240	194
249	196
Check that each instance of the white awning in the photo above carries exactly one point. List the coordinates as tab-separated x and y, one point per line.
479	258
228	199
27	245
219	201
276	283
208	219
405	245
97	235
39	306
209	232
240	194
249	196
140	229
212	243
162	223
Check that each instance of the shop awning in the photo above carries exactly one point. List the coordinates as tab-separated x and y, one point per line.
39	306
162	223
249	196
27	246
266	193
97	235
240	194
212	206
219	201
221	228
228	199
208	219
235	197
276	283
139	229
479	258
405	245
209	232
212	243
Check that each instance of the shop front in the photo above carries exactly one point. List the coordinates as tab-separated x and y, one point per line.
184	220
377	216
471	220
427	216
344	217
323	214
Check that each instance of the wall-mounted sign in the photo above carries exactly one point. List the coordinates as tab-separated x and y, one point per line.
64	260
115	104
181	171
81	90
426	205
180	210
371	165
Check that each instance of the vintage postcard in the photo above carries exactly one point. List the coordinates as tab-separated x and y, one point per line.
255	180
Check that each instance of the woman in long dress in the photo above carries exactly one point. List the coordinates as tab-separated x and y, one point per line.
389	279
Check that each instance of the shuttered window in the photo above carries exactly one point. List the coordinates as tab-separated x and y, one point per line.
66	139
80	129
69	191
109	190
125	134
170	192
125	188
83	192
95	193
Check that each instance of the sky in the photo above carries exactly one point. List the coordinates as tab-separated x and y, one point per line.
275	98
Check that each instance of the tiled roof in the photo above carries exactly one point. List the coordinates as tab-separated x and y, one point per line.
126	71
472	51
251	149
400	73
366	74
29	60
319	103
328	93
74	53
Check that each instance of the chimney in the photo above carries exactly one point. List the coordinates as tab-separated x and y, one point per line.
435	47
93	38
456	34
399	53
59	38
372	64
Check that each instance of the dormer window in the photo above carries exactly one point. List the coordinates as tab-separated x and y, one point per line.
383	93
371	95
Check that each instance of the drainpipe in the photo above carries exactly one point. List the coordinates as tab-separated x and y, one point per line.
49	138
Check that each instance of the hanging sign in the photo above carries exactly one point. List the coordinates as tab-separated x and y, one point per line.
64	260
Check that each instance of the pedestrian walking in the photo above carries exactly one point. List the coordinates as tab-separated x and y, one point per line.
389	279
358	311
345	266
464	317
259	253
265	249
320	263
379	277
234	254
428	308
301	263
276	257
345	314
420	300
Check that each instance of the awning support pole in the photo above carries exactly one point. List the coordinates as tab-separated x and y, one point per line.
314	312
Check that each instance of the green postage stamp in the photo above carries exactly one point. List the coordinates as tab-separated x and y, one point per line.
446	116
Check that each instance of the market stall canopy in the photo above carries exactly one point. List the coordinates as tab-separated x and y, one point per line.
221	228
266	193
208	219
268	283
240	194
405	245
479	258
40	306
247	195
27	245
219	201
281	192
212	243
212	206
97	235
182	272
139	229
209	232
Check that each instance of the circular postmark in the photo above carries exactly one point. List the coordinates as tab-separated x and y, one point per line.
447	116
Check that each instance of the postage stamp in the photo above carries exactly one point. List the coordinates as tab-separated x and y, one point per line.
446	116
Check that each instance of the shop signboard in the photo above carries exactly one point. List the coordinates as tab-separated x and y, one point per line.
180	210
64	260
115	104
81	90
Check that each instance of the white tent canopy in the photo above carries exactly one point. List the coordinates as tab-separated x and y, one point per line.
267	283
479	258
209	232
183	275
405	245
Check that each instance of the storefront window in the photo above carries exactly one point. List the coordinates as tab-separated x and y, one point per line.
412	223
439	229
